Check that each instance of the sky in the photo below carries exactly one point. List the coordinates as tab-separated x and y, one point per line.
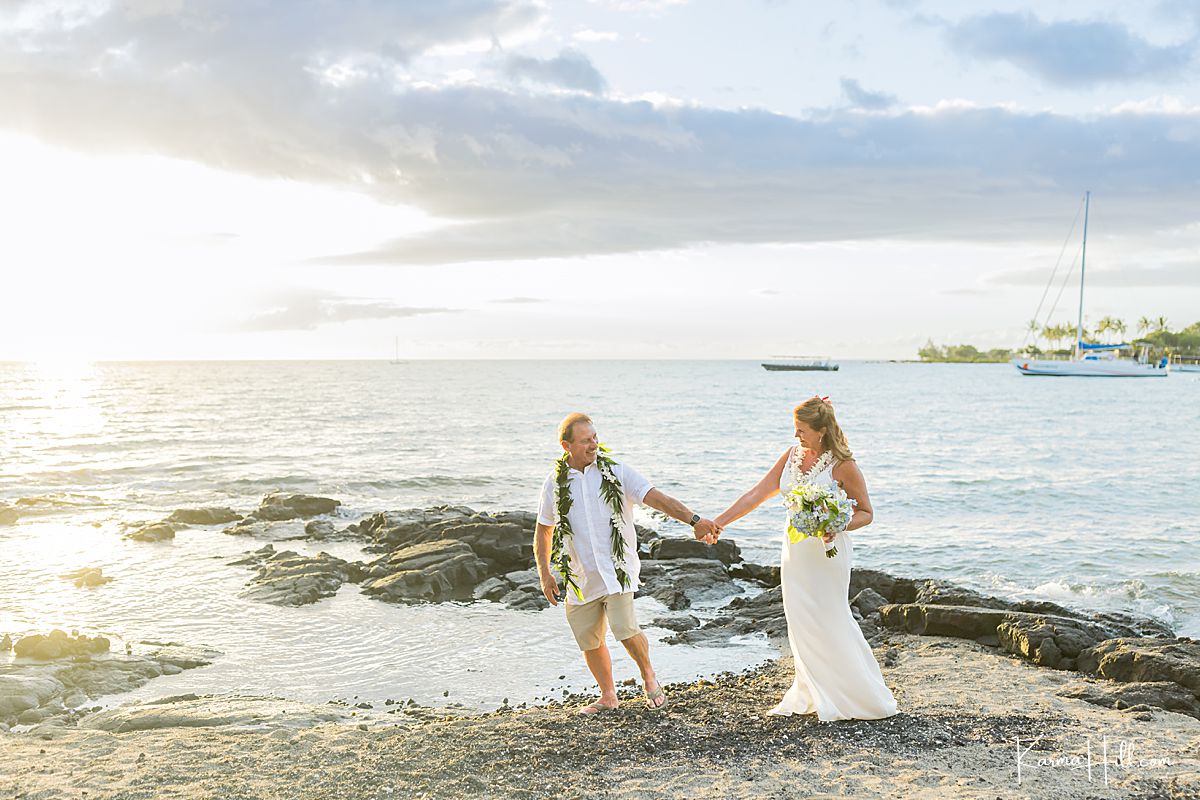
228	179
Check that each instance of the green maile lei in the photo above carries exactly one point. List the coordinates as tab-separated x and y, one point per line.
613	495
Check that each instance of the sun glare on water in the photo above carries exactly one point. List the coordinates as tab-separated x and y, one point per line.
68	388
55	403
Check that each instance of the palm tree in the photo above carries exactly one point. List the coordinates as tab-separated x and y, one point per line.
1120	327
1110	325
1056	333
1160	324
1144	324
1086	335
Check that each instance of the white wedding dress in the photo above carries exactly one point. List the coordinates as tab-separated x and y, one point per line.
836	673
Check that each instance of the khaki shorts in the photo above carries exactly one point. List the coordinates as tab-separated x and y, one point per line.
587	619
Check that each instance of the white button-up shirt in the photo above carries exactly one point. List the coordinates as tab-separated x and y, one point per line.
590	548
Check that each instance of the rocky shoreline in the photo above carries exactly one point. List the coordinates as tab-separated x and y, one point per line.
454	553
54	678
1123	666
974	723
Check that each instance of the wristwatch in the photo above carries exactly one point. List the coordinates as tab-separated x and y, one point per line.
694	520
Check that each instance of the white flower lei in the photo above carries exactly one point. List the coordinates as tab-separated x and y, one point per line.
613	494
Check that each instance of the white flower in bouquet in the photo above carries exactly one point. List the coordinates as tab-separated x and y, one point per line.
814	511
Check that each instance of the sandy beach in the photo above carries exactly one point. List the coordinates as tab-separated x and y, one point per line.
963	707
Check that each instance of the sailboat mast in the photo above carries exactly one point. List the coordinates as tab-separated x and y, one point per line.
1087	197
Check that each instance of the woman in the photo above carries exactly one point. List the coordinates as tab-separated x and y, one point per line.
836	673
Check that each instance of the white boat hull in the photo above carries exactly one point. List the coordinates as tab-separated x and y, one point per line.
1089	368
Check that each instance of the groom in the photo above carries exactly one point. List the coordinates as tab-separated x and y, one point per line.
606	577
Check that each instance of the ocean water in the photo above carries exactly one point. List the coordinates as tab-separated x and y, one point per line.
1081	491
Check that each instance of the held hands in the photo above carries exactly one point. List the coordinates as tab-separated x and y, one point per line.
707	531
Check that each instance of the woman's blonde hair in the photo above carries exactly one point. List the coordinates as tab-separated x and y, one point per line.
818	414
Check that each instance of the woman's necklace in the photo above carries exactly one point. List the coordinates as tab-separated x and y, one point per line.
819	463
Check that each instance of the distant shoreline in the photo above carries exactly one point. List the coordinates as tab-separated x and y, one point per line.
957	361
934	361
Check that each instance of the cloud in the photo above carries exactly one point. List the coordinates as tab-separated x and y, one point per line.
1179	274
1175	10
860	97
306	310
216	33
520	300
1068	53
641	6
520	173
589	35
570	69
643	177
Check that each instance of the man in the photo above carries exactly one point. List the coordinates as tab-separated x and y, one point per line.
594	571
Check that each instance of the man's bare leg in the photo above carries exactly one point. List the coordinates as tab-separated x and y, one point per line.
638	647
599	661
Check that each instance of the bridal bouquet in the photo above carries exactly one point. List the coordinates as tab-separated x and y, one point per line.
815	510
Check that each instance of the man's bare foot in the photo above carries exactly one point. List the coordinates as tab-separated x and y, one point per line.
598	707
655	697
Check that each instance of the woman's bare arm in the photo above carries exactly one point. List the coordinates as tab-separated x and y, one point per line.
848	475
762	491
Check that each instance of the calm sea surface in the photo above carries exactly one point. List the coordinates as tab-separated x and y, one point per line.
1082	491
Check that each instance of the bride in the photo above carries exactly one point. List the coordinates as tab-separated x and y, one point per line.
836	673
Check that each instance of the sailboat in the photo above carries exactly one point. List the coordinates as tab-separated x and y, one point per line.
1094	360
